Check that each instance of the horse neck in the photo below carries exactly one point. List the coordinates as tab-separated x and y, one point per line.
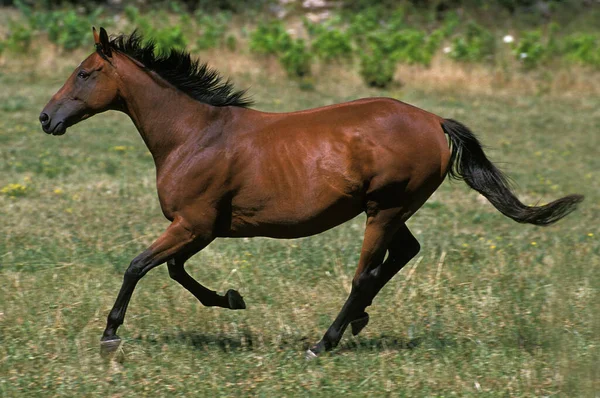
157	109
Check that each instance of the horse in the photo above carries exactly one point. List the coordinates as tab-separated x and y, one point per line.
224	170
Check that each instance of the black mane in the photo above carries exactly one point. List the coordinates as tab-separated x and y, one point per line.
196	79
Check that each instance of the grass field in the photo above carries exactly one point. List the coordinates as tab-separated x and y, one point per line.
488	307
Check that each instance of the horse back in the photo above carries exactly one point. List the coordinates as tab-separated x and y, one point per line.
329	163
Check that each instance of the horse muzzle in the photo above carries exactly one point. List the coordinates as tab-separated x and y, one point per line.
51	126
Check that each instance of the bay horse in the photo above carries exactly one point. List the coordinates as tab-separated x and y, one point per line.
225	170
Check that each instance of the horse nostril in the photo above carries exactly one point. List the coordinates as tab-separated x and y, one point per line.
44	118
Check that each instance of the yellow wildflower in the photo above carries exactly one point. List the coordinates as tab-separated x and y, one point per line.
14	190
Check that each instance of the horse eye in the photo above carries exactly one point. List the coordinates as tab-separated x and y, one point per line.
83	74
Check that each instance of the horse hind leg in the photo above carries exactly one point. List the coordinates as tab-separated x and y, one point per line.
379	232
372	274
403	247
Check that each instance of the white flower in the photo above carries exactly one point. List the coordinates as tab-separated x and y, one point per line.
523	55
508	39
447	50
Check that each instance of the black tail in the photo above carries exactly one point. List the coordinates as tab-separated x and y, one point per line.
469	163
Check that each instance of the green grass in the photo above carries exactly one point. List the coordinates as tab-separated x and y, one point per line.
483	309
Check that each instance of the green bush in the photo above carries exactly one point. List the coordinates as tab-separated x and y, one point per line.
213	29
451	22
333	44
530	50
376	69
408	45
19	38
71	30
168	38
270	38
395	40
165	38
66	28
329	43
296	60
476	45
364	23
142	23
582	48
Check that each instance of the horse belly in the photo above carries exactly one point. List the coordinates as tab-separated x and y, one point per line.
296	214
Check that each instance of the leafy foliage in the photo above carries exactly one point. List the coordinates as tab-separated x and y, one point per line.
477	44
361	24
379	36
328	42
582	48
71	30
19	38
296	59
269	38
394	42
67	28
213	29
376	69
530	49
165	38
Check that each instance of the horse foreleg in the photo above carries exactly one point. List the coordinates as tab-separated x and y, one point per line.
176	239
232	299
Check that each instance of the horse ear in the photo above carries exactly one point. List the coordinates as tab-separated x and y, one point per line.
103	43
96	37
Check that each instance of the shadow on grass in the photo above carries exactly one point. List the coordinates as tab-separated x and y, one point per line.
242	342
382	343
246	341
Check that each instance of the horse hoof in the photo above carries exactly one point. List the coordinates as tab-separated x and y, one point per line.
109	347
309	355
236	301
359	324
